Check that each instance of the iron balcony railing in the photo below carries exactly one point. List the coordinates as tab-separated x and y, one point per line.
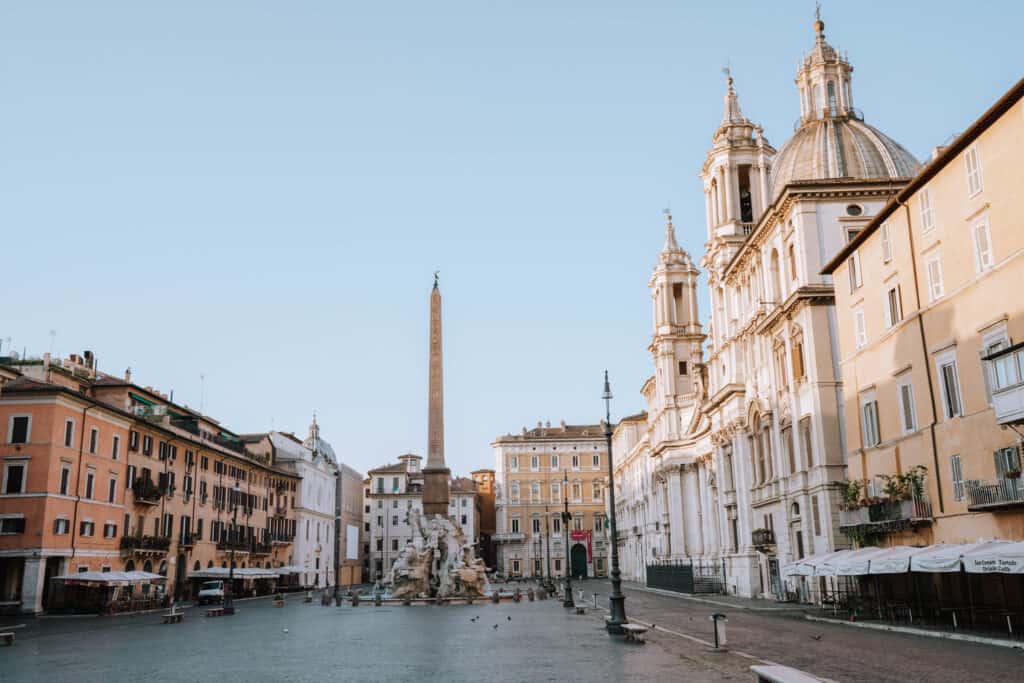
1000	493
144	543
237	546
145	491
187	540
762	537
887	512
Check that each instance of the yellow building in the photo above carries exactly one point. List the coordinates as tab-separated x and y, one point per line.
534	470
931	325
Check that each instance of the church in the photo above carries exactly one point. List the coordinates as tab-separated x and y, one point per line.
736	464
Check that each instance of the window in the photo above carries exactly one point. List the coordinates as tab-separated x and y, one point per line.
796	349
869	420
973	161
147	445
556	492
893	306
554	462
69	433
515	492
111	490
787	446
18	431
535	525
86	528
463	522
577	524
515	566
515	525
927	217
886	244
513	463
94	439
806	443
596	461
860	333
792	263
556	525
558	565
133	440
90	480
816	515
14	478
380	544
599	522
575	462
577	491
1007	460
534	462
958	477
12	524
115	448
853	265
394	544
933	266
61	526
908	416
65	479
394	483
596	490
949	382
109	530
535	492
982	246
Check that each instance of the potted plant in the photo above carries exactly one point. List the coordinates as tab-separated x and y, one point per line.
279	599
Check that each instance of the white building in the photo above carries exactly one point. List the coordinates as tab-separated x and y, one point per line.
314	504
390	493
746	445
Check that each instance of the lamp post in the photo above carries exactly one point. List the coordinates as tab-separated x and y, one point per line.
547	552
616	601
567	601
229	607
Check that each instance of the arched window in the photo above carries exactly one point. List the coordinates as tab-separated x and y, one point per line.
796	347
129	566
163	568
209	565
148	566
268	566
515	492
832	97
224	565
795	510
716	218
196	567
818	108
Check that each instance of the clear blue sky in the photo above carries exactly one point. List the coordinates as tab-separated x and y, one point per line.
260	191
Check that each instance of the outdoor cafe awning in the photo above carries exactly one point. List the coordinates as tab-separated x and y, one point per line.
986	557
110	578
290	569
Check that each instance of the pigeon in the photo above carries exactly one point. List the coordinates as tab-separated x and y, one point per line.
816	637
509	618
495	626
284	630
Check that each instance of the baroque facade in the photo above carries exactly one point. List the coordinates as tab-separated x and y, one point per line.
746	442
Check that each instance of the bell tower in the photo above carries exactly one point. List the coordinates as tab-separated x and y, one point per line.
678	335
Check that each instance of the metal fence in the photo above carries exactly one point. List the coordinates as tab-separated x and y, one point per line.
687	576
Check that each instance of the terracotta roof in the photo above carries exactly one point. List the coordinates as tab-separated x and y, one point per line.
463	485
639	417
388	469
567	432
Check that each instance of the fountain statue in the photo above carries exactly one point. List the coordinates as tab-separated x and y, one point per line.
437	563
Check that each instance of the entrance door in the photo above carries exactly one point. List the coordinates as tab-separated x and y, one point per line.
179	581
579	560
52	570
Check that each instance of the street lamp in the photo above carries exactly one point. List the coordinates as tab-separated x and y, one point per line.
617	601
229	607
547	542
567	601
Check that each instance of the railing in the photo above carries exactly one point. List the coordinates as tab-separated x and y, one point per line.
746	228
187	540
237	546
762	537
260	548
145	491
686	576
1000	493
186	423
281	539
507	537
145	543
230	444
887	513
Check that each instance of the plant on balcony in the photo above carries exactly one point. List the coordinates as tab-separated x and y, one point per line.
851	493
906	485
1011	474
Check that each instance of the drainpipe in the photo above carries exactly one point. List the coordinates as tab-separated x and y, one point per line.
924	353
78	483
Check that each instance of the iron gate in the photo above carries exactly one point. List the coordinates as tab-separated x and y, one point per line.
687	576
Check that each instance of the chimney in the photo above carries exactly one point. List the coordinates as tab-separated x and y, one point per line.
128	376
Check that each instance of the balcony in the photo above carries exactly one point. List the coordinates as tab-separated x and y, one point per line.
515	537
187	540
145	545
238	546
1006	370
281	539
762	538
146	492
260	549
189	424
1002	493
887	516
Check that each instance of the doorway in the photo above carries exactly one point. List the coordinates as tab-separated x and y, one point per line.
52	570
579	560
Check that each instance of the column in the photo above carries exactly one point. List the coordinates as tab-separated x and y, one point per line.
32	582
691	499
676	538
764	182
756	198
709	215
730	200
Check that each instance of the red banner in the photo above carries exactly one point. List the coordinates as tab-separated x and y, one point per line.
584	536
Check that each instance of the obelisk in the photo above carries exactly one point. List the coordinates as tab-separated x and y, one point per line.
435	474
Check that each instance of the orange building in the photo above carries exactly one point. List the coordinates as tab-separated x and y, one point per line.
104	475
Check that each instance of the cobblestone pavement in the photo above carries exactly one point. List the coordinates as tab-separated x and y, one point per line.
842	653
533	641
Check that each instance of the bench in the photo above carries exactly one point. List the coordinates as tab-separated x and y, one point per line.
580	609
8	637
634	632
173	617
215	612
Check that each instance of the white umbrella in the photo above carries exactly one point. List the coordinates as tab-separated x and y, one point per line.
895	560
852	563
1002	557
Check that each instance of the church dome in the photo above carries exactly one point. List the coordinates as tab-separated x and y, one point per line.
839	147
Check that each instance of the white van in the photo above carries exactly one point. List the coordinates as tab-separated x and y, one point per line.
211	591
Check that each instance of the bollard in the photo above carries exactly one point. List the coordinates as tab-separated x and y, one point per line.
595	600
355	599
719	624
529	595
377	601
495	597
